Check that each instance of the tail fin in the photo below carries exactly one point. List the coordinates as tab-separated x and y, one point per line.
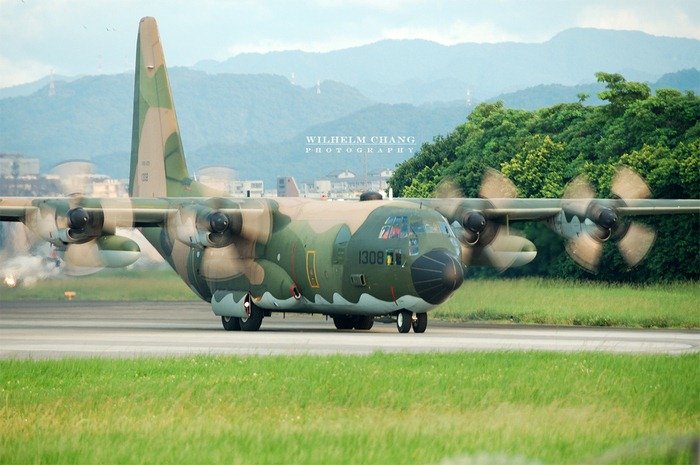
158	167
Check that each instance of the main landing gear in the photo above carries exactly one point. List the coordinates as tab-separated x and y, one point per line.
359	322
250	322
406	320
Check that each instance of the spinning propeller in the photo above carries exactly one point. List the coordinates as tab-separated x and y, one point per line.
634	240
485	239
225	231
83	231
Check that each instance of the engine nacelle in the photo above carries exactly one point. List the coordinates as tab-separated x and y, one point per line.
200	226
506	252
105	251
57	224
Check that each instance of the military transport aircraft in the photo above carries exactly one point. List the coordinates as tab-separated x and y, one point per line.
353	261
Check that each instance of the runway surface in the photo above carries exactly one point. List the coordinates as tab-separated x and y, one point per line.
127	329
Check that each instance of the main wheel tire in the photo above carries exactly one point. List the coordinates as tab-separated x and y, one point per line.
343	322
364	322
403	321
231	323
252	322
420	323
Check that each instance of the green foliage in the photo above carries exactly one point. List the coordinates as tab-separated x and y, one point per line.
541	151
621	93
537	167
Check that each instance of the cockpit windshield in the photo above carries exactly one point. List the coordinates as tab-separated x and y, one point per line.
401	227
394	227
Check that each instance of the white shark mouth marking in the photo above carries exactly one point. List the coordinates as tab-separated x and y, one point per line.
367	305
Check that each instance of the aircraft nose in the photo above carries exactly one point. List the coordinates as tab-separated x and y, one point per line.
436	274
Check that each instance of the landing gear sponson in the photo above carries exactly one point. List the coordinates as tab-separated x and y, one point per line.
405	321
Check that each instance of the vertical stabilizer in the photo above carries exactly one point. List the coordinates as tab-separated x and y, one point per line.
158	167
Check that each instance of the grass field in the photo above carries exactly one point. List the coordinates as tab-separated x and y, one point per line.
559	302
519	301
467	408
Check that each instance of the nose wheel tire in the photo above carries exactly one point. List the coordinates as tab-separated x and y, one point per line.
403	321
420	323
231	323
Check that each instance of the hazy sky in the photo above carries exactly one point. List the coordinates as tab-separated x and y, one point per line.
98	36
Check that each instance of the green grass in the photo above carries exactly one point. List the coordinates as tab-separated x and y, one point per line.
527	300
144	284
539	301
535	407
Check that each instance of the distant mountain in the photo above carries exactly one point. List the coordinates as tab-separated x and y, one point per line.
417	71
31	87
290	157
91	117
687	79
256	124
547	95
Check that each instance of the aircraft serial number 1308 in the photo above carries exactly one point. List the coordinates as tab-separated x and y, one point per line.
353	261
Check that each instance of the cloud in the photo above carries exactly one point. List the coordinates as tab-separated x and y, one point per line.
658	19
19	71
274	45
454	33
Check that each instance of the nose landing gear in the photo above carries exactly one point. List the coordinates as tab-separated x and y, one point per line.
406	320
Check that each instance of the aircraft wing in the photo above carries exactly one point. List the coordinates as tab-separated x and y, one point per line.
543	209
85	228
140	212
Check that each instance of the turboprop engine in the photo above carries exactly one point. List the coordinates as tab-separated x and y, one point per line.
200	226
85	236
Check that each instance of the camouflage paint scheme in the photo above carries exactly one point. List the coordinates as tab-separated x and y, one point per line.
372	258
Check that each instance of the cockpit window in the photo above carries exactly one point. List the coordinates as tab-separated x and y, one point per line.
394	227
420	225
399	227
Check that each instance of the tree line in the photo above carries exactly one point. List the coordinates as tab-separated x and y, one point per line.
657	134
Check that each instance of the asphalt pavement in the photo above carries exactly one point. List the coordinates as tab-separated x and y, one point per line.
41	330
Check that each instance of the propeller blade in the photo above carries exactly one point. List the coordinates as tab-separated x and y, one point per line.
585	251
449	190
257	223
43	222
578	195
84	255
182	225
495	185
73	176
579	188
501	252
628	184
224	262
636	243
467	253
